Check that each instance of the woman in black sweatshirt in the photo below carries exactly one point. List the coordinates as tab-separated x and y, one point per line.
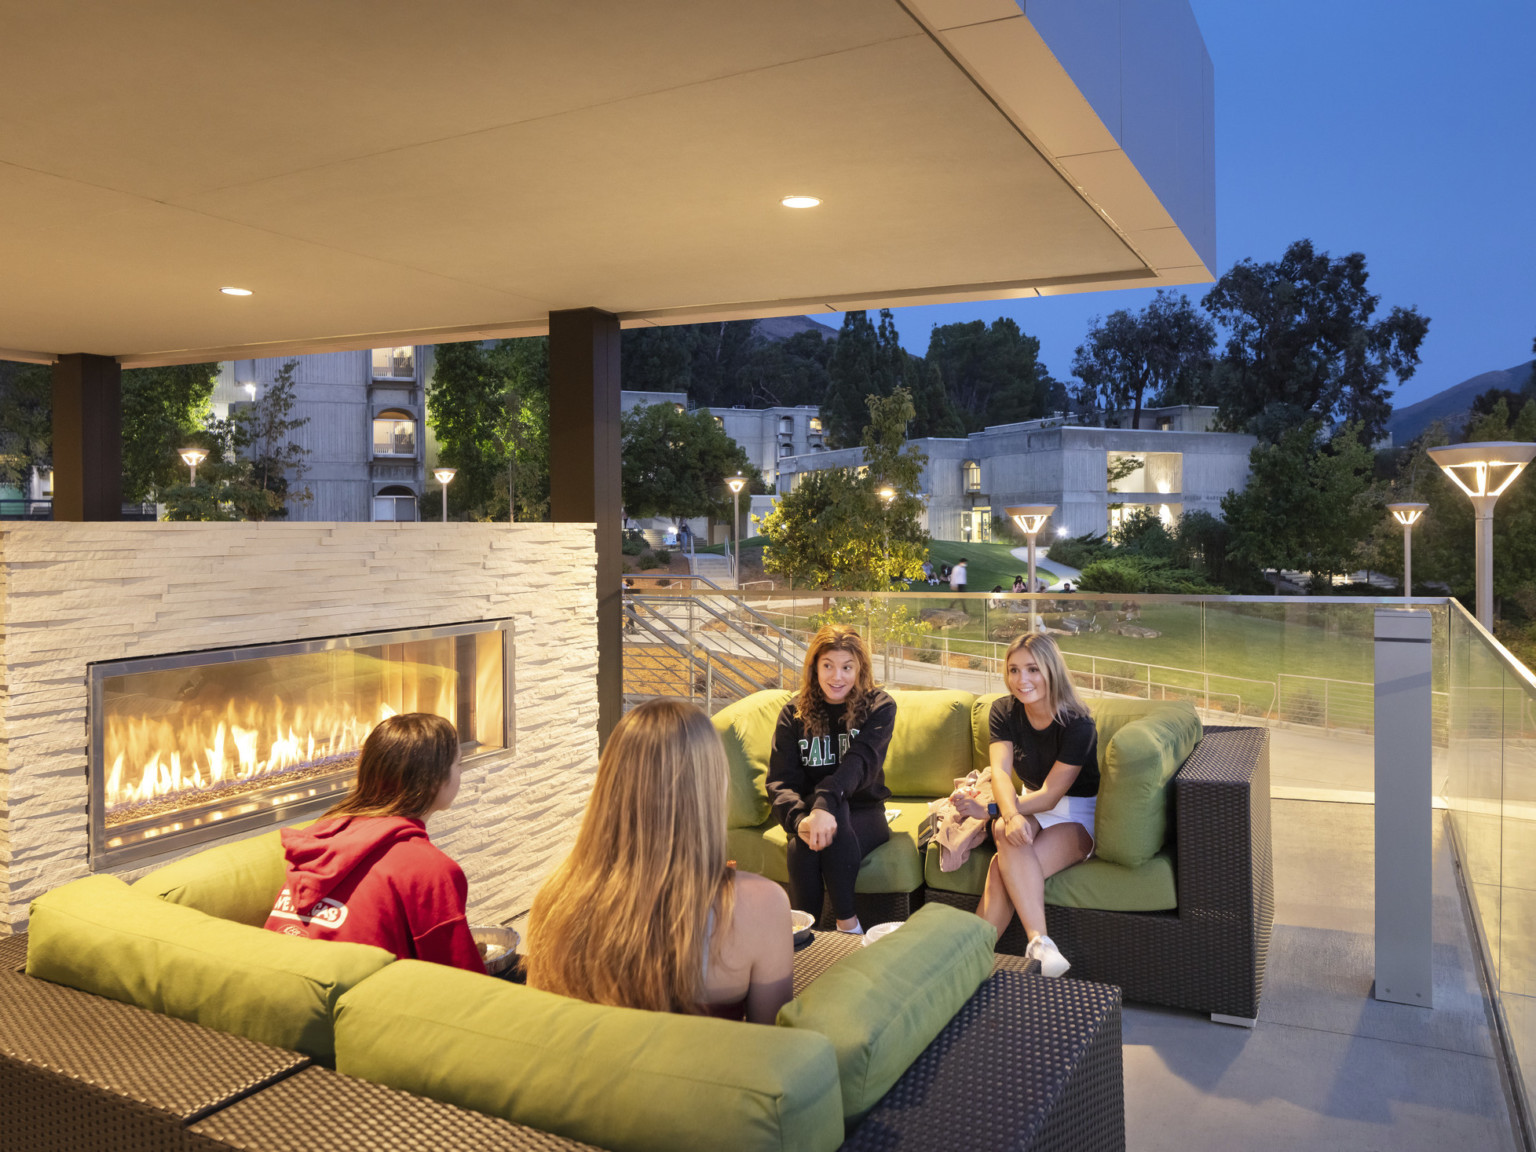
826	776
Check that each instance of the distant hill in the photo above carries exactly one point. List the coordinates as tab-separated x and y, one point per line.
1452	406
783	327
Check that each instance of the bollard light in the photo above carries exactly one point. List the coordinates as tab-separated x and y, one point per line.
1483	471
193	457
736	483
1407	514
1031	519
445	477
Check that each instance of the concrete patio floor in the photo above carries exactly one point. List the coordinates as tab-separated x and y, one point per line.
1327	1067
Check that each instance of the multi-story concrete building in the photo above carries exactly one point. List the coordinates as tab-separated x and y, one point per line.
971	480
365	434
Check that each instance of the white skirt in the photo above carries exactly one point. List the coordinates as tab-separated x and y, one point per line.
1072	810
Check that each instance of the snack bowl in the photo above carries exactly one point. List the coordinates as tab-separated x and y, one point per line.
877	931
498	946
801	924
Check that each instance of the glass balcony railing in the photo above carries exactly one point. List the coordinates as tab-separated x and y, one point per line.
1301	667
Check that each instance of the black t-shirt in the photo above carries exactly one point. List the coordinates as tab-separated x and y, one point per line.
806	772
1036	750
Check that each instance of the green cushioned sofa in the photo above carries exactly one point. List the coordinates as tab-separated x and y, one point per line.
185	942
1176	905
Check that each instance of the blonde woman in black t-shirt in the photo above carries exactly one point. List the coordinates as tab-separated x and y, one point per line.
1042	737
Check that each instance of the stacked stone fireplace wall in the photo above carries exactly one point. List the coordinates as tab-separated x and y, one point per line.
76	593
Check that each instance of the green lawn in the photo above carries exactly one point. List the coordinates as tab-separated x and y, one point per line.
990	564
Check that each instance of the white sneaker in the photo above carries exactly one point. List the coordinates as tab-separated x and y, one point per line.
856	930
1052	962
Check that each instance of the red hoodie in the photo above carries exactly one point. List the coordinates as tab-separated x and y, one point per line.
375	880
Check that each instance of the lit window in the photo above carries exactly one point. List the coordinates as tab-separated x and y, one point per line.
394	434
971	470
394	363
719	422
815	424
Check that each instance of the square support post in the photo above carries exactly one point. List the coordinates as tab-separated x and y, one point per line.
1404	809
584	477
87	438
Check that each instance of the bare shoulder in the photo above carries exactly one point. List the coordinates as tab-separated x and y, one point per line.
760	894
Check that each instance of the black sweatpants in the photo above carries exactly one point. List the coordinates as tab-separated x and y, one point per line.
835	868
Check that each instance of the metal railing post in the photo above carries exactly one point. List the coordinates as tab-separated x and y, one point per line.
709	685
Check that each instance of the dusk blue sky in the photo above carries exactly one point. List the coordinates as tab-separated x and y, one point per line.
1406	131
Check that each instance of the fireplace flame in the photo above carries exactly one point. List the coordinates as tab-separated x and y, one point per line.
158	756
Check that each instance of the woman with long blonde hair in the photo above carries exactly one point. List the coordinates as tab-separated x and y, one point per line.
1043	736
646	912
826	774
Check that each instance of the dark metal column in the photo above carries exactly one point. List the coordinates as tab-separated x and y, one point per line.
584	476
87	438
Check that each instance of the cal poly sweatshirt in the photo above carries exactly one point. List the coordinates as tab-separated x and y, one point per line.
375	880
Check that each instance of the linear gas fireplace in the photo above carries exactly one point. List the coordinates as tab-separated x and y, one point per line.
197	746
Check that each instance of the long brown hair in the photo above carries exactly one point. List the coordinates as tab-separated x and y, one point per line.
810	704
404	764
625	919
1060	695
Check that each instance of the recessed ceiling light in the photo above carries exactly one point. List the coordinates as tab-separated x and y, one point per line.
800	201
235	291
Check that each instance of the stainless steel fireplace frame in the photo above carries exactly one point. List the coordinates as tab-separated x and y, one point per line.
104	859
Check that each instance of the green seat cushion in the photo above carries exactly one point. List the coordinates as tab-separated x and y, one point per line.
238	881
101	936
883	1005
1095	883
931	743
981	730
619	1078
746	729
1137	758
895	866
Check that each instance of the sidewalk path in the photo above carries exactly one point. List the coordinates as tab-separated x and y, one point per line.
1051	568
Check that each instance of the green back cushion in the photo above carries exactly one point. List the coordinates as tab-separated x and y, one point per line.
101	936
1140	749
619	1078
931	744
1094	883
236	882
981	730
746	730
884	1004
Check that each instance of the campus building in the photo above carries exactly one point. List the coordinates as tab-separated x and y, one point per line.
365	429
969	481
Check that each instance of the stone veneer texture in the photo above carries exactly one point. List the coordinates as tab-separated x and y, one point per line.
75	593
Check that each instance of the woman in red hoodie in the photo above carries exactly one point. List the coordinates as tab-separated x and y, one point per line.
365	872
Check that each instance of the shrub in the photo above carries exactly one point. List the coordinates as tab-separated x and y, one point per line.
1080	551
633	543
1113	575
663	557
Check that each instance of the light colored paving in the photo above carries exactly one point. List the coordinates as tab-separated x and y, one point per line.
1327	1067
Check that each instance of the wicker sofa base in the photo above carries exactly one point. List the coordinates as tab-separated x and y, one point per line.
81	1072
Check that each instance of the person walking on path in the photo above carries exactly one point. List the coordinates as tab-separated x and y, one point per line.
957	579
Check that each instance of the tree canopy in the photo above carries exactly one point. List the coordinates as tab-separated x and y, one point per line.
992	373
26	421
835	531
163	409
1163	352
489	409
1309	505
676	463
1301	344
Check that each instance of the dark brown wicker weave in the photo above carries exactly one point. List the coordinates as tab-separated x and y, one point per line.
1028	1063
13	953
875	907
81	1072
1209	955
322	1111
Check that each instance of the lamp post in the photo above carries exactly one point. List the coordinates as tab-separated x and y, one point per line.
1031	518
445	477
736	483
1407	515
1483	471
193	457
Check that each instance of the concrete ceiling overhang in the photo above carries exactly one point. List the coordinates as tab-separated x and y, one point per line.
398	172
